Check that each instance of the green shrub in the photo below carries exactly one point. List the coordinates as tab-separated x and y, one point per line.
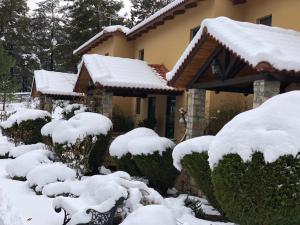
127	164
198	168
85	156
158	169
259	193
27	132
69	110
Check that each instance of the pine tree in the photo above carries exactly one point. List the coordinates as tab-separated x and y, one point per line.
49	34
85	19
141	9
7	82
16	36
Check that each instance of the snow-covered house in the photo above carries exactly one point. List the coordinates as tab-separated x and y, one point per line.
49	85
164	36
111	82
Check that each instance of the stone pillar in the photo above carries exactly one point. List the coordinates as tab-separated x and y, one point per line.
42	103
263	90
107	104
196	113
48	104
102	102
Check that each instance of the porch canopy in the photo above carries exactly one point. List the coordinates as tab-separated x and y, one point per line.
56	85
229	56
122	76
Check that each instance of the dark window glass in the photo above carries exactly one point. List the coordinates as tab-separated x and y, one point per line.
138	106
170	120
106	54
142	54
266	20
194	32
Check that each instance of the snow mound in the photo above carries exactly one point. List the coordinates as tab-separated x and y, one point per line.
5	147
139	141
149	145
194	145
188	219
22	149
151	215
272	129
24	115
49	173
78	127
100	193
20	167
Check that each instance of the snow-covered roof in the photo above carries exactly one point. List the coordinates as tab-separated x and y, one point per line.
123	73
106	30
254	43
55	83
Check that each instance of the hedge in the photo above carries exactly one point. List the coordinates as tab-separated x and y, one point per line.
85	156
27	132
259	193
127	164
158	169
198	168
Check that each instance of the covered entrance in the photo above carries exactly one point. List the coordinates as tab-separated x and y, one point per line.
231	56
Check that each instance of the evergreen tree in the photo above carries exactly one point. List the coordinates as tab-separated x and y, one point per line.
86	18
7	82
49	34
16	36
142	9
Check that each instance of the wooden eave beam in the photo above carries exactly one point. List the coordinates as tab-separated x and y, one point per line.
205	67
212	85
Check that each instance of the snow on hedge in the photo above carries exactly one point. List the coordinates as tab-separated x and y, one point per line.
22	149
24	115
77	107
151	215
149	145
21	166
272	129
101	193
5	147
194	145
139	141
49	173
78	127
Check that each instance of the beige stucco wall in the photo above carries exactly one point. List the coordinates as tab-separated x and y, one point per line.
165	44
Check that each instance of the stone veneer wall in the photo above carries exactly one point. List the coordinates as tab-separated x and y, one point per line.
196	113
264	90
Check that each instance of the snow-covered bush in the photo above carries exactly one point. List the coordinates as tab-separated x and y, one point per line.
256	164
192	155
24	126
20	167
152	155
120	152
81	142
5	148
17	151
45	174
100	193
73	109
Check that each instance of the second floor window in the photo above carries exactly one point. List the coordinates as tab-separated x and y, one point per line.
193	32
266	20
141	54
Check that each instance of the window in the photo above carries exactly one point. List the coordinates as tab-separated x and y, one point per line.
152	109
138	106
142	54
193	32
106	54
266	20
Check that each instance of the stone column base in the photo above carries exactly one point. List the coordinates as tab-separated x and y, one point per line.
264	90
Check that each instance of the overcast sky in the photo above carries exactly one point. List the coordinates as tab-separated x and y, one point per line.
32	5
